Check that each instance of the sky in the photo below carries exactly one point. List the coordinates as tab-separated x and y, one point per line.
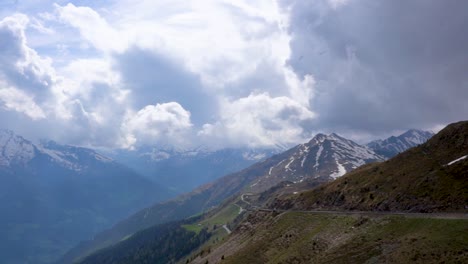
261	73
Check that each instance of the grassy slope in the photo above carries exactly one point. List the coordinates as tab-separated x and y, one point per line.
307	238
227	213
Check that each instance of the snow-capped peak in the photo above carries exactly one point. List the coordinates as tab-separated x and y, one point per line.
319	138
416	137
160	153
14	149
397	144
324	156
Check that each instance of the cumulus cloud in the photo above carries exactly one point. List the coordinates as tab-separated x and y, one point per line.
231	73
157	124
21	66
78	104
222	41
259	120
151	77
382	65
204	56
16	100
92	27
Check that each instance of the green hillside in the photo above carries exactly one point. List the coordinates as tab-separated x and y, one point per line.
296	237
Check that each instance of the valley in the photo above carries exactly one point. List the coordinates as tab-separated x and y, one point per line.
214	214
293	222
301	169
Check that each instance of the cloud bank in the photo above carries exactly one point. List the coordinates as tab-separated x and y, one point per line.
382	65
123	74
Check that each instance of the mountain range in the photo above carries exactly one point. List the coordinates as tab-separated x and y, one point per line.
63	194
408	209
322	159
53	196
182	170
431	177
394	145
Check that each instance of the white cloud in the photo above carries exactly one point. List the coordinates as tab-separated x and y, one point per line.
111	62
202	34
222	42
83	74
160	123
82	100
258	121
21	66
14	99
92	27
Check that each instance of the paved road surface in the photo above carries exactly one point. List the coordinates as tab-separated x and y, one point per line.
372	213
246	194
461	216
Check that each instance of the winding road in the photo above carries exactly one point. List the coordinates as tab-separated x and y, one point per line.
252	208
460	216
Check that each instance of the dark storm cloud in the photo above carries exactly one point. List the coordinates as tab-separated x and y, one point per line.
153	78
383	65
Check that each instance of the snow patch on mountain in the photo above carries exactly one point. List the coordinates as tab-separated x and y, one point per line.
61	158
340	172
317	156
457	160
305	154
291	160
254	156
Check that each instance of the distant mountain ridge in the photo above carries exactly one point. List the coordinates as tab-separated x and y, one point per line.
54	196
18	151
393	145
183	170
